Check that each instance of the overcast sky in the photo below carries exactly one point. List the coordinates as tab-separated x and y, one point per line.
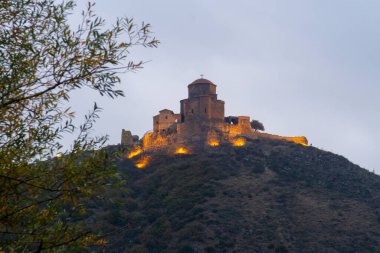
302	67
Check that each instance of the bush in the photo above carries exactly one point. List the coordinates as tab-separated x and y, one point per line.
187	249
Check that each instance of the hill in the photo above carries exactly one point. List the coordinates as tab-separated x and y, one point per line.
267	196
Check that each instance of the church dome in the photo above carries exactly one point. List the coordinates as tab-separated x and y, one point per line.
202	87
202	81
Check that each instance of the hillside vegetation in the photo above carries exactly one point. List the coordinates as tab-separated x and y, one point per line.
268	196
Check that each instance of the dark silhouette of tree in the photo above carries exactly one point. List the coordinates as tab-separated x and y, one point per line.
257	125
42	61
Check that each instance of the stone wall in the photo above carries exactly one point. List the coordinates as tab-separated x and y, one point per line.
165	120
296	139
127	138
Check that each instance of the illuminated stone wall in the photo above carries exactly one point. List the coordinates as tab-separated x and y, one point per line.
188	138
242	127
297	139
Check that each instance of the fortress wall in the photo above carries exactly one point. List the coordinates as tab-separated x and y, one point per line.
296	139
194	138
243	127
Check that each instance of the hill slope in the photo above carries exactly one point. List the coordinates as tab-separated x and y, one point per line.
268	196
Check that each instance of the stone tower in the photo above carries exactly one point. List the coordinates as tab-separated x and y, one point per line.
202	105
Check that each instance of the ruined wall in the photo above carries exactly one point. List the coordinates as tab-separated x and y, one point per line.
165	120
127	138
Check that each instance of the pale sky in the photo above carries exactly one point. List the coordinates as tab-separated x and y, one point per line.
302	67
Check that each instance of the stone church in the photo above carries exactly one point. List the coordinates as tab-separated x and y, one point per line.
200	124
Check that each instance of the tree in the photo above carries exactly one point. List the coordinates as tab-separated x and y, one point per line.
43	192
257	125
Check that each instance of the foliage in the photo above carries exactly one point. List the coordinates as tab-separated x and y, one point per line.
42	61
257	125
